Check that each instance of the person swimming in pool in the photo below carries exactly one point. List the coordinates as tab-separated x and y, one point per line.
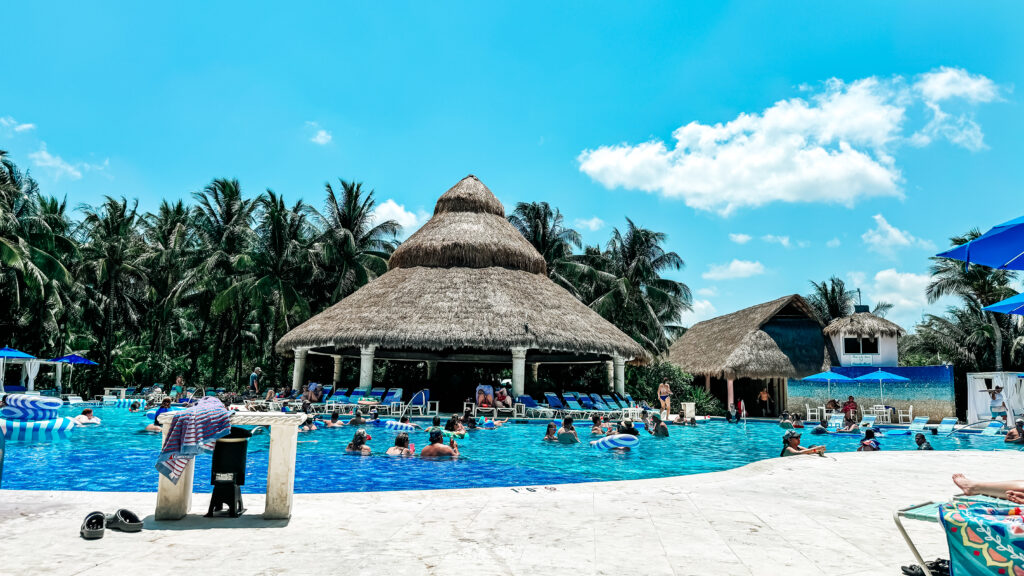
1016	434
868	443
658	428
597	427
334	422
437	448
567	433
791	445
551	435
405	420
435	424
135	407
358	444
357	419
626	427
86	417
402	446
665	398
454	425
165	406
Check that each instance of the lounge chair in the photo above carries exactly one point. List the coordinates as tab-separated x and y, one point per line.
392	402
612	402
574	408
601	405
355	397
868	421
531	406
337	400
916	426
73	399
992	429
555	404
375	394
835	423
947	424
421	403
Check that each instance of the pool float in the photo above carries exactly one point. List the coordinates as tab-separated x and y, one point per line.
786	425
616	441
33	402
15	413
401	426
123	403
151	413
36	430
450	434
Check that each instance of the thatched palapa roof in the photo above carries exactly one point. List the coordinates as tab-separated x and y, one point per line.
781	338
864	324
466	280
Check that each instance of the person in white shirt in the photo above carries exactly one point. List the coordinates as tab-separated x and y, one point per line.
997	404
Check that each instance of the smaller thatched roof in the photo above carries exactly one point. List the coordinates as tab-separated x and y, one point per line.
863	324
781	338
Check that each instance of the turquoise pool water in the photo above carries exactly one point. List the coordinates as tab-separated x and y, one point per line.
118	457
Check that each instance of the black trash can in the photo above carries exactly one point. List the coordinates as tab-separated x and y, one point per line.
227	473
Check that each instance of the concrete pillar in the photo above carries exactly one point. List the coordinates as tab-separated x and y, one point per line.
518	371
729	395
337	371
620	375
431	369
610	367
174	500
366	367
707	382
534	368
299	370
280	471
58	377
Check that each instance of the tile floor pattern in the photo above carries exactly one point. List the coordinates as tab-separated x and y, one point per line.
796	516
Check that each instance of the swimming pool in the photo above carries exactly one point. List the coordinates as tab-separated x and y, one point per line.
118	457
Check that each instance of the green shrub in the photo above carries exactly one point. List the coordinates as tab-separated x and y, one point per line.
642	383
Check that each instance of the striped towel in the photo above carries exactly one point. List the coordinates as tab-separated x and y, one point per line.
193	431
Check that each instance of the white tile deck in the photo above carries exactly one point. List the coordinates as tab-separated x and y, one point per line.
796	516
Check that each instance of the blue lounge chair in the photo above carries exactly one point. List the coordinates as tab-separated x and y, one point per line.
612	402
574	408
533	408
355	397
337	400
554	403
947	424
375	394
603	406
992	429
419	402
835	423
392	402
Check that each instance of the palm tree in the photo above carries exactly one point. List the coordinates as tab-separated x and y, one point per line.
632	293
113	270
354	247
831	299
170	248
977	286
544	228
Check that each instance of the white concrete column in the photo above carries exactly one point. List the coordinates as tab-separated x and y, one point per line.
298	370
173	501
518	371
58	377
366	367
337	370
620	374
610	367
431	369
729	394
281	471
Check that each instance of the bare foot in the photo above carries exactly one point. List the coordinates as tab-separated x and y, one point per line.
963	483
1015	496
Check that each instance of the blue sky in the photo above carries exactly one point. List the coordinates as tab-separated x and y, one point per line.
821	138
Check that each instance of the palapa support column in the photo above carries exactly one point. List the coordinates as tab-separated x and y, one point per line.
518	371
431	369
299	369
729	395
610	367
534	369
366	366
58	377
707	382
337	371
620	374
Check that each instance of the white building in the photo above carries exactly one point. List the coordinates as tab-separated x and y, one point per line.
863	339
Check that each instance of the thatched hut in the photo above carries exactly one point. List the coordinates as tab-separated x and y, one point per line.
764	345
466	287
863	339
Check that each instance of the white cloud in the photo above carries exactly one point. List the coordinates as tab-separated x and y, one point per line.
709	291
733	270
391	210
10	122
856	279
772	239
905	291
886	239
835	146
740	238
833	243
702	310
59	167
320	136
593	224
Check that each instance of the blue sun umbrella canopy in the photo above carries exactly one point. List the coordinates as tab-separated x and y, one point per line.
8	353
828	377
1001	247
1012	305
74	359
881	376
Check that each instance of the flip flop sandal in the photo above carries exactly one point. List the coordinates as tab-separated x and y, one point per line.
124	520
93	526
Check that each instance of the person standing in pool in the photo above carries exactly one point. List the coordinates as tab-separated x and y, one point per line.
165	406
334	422
551	435
922	442
358	444
357	419
658	428
596	427
665	398
435	424
401	447
437	448
626	427
567	433
869	444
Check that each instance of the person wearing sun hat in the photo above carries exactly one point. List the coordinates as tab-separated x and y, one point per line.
791	445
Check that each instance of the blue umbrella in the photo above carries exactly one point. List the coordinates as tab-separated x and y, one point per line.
74	359
881	376
1012	305
1001	247
8	352
828	376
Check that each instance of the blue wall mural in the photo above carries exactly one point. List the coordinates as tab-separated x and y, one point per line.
929	391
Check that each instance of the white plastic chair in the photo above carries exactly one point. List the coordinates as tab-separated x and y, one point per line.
906	416
812	413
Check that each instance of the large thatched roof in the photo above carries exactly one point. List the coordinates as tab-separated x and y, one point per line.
467	280
781	338
863	324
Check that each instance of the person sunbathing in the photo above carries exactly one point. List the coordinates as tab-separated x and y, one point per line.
165	406
1012	490
402	446
567	433
437	448
658	428
791	445
1016	434
334	422
551	435
86	417
358	444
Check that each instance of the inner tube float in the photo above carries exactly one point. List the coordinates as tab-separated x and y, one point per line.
15	413
400	426
151	414
616	441
786	425
36	430
31	402
450	434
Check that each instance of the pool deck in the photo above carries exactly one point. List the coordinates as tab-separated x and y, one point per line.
793	516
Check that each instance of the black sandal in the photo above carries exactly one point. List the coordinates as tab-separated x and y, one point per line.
93	526
124	520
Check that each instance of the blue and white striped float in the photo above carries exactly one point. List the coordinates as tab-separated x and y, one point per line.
33	402
122	402
15	413
35	431
400	426
616	441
